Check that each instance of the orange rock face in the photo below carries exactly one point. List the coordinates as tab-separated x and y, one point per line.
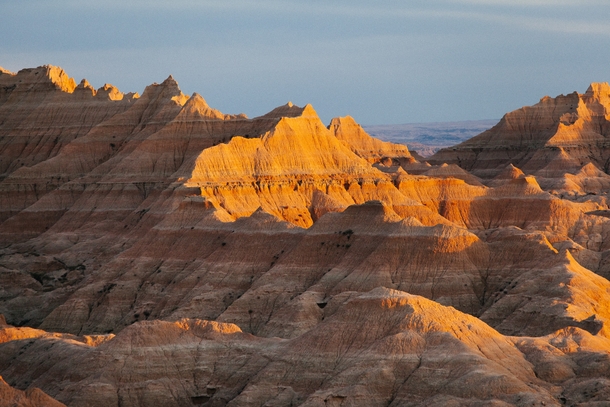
554	137
156	251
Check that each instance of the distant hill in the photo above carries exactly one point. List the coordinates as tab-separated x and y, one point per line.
549	139
427	138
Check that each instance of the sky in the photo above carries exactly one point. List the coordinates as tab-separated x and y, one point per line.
384	62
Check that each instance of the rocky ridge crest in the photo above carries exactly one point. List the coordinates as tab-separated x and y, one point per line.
183	256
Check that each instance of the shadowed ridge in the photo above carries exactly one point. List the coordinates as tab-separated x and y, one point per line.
85	89
184	330
558	163
417	329
57	76
195	212
510	172
571	295
263	222
33	85
591	170
370	217
32	397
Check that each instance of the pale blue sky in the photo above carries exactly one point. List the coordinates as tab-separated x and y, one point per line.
381	62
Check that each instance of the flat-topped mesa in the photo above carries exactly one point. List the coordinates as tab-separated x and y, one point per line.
528	137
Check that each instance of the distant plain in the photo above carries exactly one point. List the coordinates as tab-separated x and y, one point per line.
427	138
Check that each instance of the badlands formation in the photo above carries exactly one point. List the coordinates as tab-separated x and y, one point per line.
155	251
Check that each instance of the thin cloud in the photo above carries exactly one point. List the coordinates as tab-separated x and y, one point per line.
524	22
531	3
535	23
592	26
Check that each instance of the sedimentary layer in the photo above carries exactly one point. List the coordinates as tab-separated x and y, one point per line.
182	256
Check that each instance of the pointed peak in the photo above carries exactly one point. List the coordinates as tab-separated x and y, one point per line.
289	104
528	182
110	92
510	172
197	99
309	111
591	170
196	105
170	83
85	87
598	88
49	75
168	89
410	221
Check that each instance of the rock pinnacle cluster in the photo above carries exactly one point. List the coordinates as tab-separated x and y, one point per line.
155	251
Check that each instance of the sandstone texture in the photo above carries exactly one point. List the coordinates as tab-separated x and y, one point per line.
155	251
563	141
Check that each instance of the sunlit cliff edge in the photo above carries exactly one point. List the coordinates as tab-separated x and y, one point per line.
156	251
